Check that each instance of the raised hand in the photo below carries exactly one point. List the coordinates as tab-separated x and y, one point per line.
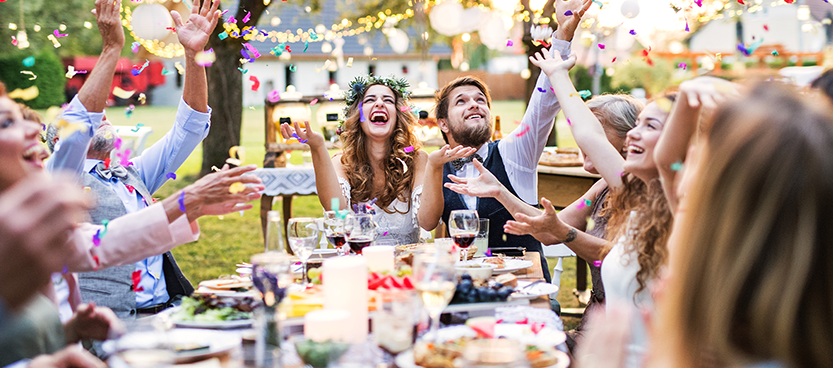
486	185
236	202
216	189
445	155
549	64
108	18
193	34
707	91
567	24
540	227
308	136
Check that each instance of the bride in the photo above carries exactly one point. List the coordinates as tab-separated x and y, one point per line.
381	163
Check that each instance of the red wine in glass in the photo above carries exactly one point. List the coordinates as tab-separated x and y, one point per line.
358	243
464	241
337	240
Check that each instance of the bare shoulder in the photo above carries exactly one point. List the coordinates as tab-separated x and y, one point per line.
337	165
420	160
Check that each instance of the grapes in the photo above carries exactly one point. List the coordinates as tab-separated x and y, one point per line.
469	291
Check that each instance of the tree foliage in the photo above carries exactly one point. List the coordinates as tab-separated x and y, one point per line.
50	78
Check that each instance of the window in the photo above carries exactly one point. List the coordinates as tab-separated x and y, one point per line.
288	77
371	69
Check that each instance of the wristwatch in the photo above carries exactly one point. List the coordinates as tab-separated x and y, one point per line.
571	235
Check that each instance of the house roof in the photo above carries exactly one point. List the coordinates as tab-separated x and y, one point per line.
293	17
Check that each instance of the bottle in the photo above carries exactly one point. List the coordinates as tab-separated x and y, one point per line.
497	134
274	233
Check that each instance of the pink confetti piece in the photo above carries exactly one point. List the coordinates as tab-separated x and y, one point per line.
14	41
274	96
682	65
699	3
247	17
171	175
58	34
408	149
313	102
135	47
601	46
523	131
404	108
252	50
597	263
510	43
569	123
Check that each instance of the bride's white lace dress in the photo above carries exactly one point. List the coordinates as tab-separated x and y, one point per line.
403	227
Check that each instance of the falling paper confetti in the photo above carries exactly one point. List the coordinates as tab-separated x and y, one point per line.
632	32
58	34
682	65
135	46
97	238
236	187
349	62
274	96
179	68
292	68
361	113
171	175
326	65
523	131
54	41
247	17
602	46
775	52
542	90
766	28
614	60
25	94
205	58
408	149
166	71
568	13
139	69
122	94
182	201
404	166
509	43
584	93
306	45
29	62
27	72
142	98
128	111
255	83
677	166
313	102
223	35
137	127
237	155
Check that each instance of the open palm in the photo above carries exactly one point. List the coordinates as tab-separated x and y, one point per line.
568	14
193	33
549	64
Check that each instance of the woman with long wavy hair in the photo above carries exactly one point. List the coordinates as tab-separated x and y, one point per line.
381	163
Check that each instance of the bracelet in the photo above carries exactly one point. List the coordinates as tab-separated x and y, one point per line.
571	235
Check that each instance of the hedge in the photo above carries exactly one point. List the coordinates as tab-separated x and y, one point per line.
51	78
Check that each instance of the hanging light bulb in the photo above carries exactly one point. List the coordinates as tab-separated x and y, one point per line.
37	27
22	39
88	25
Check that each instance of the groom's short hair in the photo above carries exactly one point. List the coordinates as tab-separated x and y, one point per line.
444	95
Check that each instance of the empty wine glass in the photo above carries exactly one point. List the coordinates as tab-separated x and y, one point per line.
332	226
463	226
394	321
361	231
435	281
303	239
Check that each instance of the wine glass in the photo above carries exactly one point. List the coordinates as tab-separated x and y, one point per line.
435	281
361	231
332	225
303	239
394	321
463	226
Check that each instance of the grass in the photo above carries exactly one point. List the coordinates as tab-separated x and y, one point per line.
234	238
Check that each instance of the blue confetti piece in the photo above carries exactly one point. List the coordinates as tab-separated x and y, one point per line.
542	90
171	175
568	13
182	201
632	32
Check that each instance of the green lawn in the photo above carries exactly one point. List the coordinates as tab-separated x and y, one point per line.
234	238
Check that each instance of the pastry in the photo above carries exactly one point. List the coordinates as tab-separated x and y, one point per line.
507	279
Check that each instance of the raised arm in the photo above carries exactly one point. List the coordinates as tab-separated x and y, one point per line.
432	201
193	35
586	128
326	178
87	106
681	127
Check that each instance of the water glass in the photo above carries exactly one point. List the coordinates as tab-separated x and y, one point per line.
463	226
303	238
394	322
332	226
361	231
482	239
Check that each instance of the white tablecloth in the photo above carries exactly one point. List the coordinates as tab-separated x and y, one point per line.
287	180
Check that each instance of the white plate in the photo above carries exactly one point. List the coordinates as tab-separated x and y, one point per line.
512	265
406	360
534	291
204	290
219	325
325	253
216	341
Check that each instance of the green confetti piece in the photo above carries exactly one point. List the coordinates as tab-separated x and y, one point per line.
334	203
677	166
306	45
292	68
223	35
775	52
584	93
587	202
242	70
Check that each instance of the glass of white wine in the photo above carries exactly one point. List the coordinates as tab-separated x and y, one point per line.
435	281
303	239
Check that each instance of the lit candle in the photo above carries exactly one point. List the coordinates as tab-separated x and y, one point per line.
380	258
345	287
326	324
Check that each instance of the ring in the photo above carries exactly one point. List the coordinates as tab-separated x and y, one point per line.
447	155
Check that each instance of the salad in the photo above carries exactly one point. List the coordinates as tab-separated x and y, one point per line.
214	308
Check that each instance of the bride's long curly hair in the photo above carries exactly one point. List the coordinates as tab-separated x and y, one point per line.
356	161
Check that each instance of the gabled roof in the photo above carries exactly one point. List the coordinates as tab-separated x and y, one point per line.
293	17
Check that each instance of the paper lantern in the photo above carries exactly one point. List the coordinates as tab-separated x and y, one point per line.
493	32
398	41
472	19
445	17
150	22
630	9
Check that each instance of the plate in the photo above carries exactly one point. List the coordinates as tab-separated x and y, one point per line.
325	253
512	265
534	291
213	342
214	325
204	290
406	360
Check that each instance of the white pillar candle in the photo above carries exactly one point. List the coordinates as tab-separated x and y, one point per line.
345	287
380	258
326	324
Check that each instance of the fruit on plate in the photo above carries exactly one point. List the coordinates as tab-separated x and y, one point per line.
484	326
377	281
468	292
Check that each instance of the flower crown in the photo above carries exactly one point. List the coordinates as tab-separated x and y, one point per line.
359	85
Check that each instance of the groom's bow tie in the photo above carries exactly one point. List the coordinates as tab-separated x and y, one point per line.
458	163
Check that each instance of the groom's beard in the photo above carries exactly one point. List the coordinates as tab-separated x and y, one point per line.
470	135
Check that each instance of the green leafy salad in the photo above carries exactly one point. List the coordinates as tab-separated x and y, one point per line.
213	308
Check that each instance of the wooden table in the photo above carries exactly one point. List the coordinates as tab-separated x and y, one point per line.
562	186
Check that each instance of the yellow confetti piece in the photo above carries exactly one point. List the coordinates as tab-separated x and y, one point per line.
665	104
237	187
71	72
108	135
205	58
590	224
349	62
25	94
326	65
68	128
122	94
87	189
214	168
54	41
142	98
179	68
237	155
27	72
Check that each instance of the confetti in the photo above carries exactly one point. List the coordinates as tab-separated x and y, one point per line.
585	203
349	62
614	60
590	224
25	94
135	46
585	94
14	41
247	17
166	71
29	62
179	68
749	50
598	3
523	131
313	102
130	188
95	258
65	269
292	68
237	155
182	201
128	111
107	163
58	34
295	135
686	25
775	52
54	41
136	276
766	28
326	65
404	166
223	35
252	49
542	90
509	43
632	32
306	45
137	127
214	168
699	3
97	238
242	70
122	94
205	58
171	175
142	98
569	123
568	13
682	65
274	96
361	113
742	3
677	166
27	72
408	149
236	187
139	69
255	83
597	263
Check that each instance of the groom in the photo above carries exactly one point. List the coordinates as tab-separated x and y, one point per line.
464	116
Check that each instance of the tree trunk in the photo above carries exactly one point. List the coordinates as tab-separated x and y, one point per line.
225	89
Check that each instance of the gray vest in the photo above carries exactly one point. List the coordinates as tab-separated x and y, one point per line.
113	287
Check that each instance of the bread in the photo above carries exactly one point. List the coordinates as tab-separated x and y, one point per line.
497	261
507	279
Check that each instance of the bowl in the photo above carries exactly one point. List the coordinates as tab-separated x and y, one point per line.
318	354
477	270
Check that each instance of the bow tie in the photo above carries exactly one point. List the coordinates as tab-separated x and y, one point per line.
458	163
114	170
